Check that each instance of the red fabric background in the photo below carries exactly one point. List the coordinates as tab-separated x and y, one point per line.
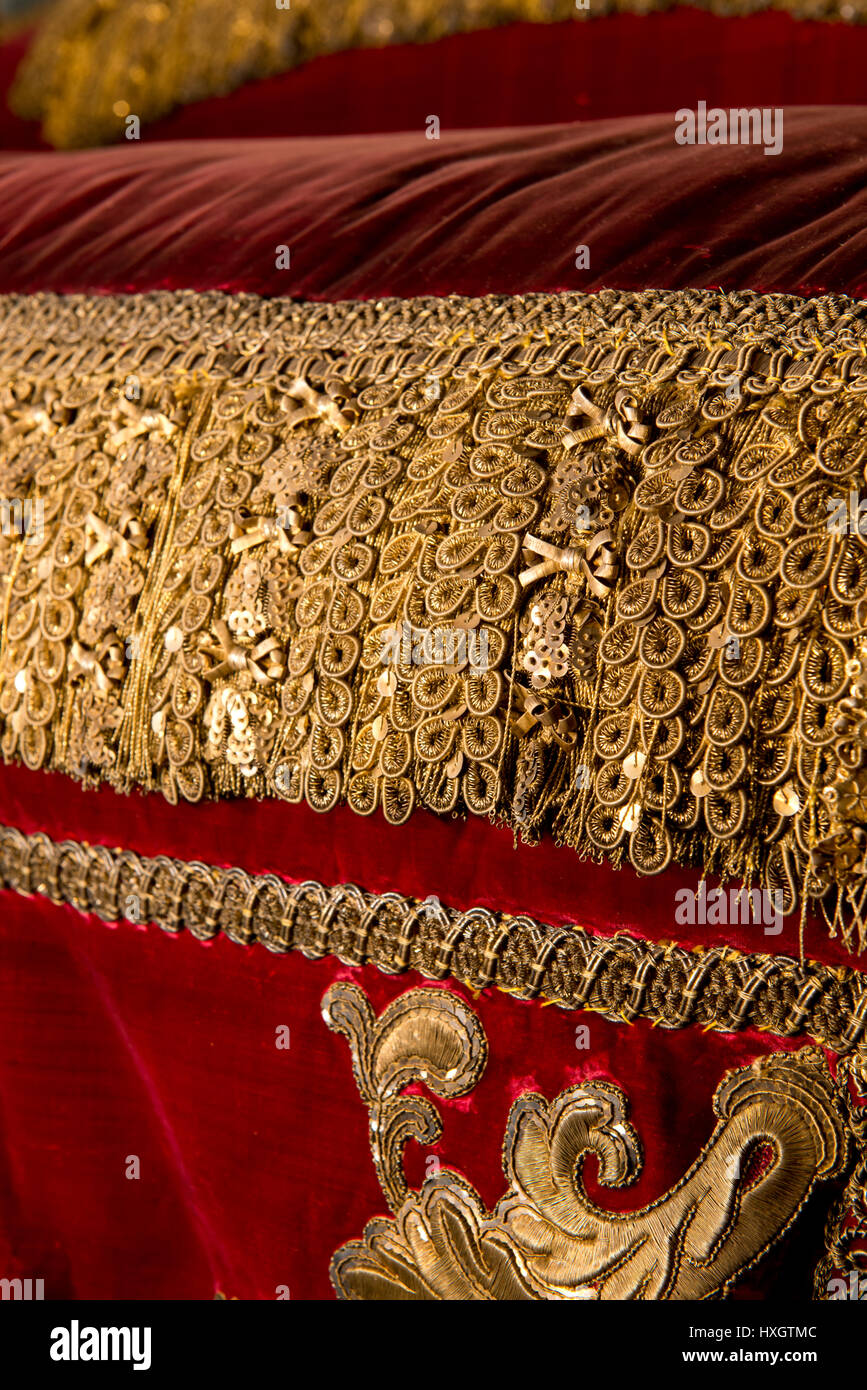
467	863
254	1161
476	212
526	74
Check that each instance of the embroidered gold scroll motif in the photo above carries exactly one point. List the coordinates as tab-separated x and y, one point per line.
572	562
427	1035
92	63
780	1131
622	978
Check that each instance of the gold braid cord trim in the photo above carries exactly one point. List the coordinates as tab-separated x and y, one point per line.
94	62
621	978
585	563
783	1125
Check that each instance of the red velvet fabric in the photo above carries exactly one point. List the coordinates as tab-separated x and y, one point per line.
15	134
474	213
467	863
254	1161
526	74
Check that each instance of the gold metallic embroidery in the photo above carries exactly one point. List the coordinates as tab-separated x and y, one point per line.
781	1129
564	561
427	1035
93	63
621	977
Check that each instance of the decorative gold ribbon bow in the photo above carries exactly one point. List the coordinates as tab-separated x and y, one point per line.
83	662
624	422
248	530
102	538
232	658
316	403
566	558
548	714
141	422
598	563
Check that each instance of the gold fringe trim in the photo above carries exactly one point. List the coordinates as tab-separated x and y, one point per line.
94	63
583	563
621	978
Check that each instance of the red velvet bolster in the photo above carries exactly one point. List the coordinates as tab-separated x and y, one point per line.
473	213
466	863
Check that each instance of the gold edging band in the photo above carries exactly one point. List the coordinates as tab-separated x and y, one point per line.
622	978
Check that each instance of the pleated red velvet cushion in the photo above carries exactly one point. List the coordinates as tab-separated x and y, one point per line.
474	213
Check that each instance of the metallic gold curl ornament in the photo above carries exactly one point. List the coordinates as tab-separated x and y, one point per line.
555	558
428	1036
141	422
